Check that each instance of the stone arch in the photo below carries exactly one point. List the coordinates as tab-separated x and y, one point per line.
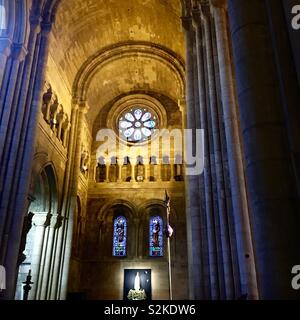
106	217
104	211
146	210
34	245
154	202
41	163
120	50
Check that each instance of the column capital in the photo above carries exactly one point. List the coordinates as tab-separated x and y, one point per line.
219	3
35	22
182	103
187	23
31	197
197	16
206	9
46	28
41	219
80	105
58	221
18	52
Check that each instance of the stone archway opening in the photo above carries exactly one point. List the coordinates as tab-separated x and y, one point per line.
35	246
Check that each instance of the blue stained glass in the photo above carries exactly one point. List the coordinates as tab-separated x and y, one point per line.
149	124
120	237
156	241
128	132
139	125
138	114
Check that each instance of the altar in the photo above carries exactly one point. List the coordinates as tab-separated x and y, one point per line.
137	284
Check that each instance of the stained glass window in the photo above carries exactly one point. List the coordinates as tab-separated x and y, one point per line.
119	236
2	17
156	241
137	124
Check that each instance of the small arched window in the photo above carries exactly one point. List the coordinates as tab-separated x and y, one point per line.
120	237
2	17
156	241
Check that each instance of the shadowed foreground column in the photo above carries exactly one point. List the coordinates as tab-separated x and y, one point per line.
270	182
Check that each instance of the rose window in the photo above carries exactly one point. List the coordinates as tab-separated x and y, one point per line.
137	124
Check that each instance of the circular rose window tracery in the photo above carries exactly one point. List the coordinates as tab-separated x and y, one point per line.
137	124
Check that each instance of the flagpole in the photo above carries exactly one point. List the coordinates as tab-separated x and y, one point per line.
169	261
167	201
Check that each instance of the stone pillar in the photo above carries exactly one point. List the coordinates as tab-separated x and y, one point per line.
119	164
60	123
57	245
66	135
147	171
159	168
239	195
271	187
49	253
5	51
20	153
172	169
39	223
286	67
192	184
68	237
132	170
107	165
61	225
8	109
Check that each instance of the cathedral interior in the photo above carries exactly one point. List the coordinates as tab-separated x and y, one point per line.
77	219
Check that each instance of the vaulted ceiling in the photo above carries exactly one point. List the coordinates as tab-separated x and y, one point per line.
84	41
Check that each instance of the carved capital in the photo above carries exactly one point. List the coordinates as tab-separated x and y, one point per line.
197	17
187	23
18	52
205	9
219	3
46	28
40	219
58	221
35	22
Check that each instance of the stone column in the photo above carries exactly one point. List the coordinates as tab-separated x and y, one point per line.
192	184
66	135
132	170
107	170
286	67
68	237
271	187
239	195
172	169
17	175
8	110
147	171
60	123
57	245
119	164
48	260
61	225
39	223
5	51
